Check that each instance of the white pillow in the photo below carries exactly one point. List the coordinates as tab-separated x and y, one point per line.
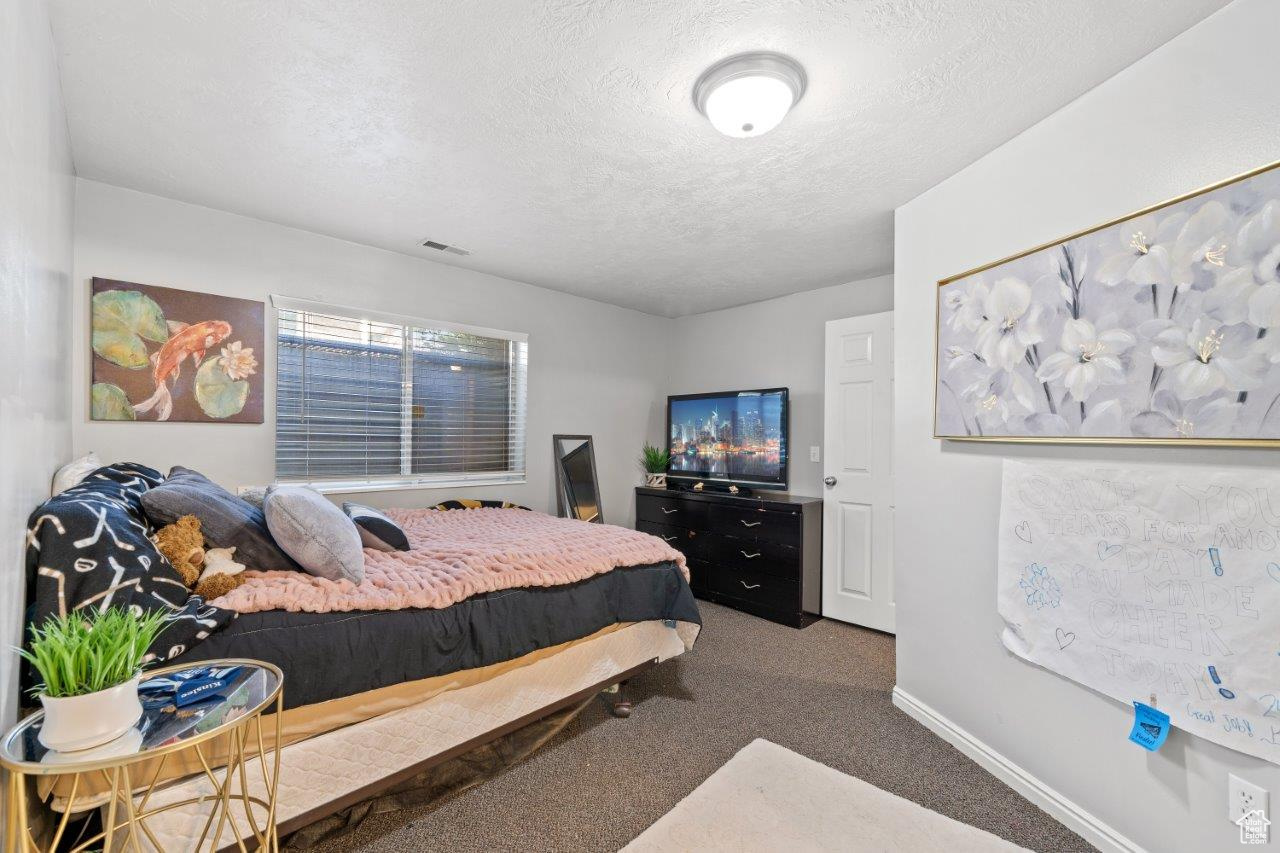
73	472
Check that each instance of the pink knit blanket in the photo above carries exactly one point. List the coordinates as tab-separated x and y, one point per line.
456	554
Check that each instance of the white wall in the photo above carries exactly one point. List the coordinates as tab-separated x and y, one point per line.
771	344
36	200
593	368
1203	107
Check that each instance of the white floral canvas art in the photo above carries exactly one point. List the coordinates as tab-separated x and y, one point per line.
1164	326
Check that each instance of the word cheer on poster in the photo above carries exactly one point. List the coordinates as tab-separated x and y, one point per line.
1141	581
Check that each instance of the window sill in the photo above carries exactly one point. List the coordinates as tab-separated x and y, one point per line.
330	487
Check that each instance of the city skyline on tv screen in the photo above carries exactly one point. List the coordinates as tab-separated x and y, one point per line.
736	436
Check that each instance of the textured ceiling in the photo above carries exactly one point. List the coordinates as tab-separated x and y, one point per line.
557	139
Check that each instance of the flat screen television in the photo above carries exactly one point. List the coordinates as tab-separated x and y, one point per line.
734	437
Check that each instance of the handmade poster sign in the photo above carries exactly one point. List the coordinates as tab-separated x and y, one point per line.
1141	581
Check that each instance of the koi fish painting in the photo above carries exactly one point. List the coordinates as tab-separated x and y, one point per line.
162	354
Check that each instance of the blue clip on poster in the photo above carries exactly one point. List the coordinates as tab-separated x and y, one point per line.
1150	727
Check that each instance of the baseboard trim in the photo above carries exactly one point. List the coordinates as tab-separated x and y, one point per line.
1071	815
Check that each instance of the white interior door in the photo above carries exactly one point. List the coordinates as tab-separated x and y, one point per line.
857	534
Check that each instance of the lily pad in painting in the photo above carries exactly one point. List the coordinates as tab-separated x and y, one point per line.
108	402
218	394
122	320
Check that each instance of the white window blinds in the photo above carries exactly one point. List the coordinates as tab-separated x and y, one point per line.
377	399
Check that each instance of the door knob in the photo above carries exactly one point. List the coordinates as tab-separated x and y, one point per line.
830	481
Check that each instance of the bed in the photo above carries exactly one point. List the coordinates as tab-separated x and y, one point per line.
374	696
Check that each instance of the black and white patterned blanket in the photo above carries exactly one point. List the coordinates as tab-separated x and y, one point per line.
90	546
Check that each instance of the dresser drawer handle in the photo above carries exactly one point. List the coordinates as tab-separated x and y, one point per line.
749	556
666	511
666	538
749	585
750	523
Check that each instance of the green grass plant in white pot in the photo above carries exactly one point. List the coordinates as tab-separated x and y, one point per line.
654	462
89	663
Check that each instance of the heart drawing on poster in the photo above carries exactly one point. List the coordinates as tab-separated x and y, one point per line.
1023	531
1106	552
1064	638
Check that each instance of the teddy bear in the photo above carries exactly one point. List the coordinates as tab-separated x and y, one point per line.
183	544
221	573
208	574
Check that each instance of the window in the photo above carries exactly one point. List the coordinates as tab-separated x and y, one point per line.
375	400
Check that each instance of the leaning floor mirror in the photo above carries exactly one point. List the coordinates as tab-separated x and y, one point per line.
577	490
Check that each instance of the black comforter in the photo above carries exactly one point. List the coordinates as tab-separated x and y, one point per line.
90	547
331	655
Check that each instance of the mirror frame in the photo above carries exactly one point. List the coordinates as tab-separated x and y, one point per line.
562	503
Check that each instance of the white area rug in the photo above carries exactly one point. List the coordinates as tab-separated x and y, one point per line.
767	798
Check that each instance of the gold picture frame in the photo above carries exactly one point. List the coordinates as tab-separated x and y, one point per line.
1161	349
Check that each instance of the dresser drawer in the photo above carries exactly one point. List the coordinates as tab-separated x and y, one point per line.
765	590
664	510
769	525
688	542
752	555
702	576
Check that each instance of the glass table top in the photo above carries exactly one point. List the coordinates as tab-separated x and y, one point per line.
171	719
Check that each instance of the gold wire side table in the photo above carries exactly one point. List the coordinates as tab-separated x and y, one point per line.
219	738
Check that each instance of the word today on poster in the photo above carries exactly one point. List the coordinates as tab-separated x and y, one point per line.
1142	581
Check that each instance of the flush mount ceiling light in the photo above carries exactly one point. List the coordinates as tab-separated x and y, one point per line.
749	94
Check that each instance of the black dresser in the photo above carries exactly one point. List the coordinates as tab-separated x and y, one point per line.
759	554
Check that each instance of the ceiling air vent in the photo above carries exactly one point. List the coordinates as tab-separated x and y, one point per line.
445	247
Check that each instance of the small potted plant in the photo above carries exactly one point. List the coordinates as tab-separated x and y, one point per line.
89	664
654	462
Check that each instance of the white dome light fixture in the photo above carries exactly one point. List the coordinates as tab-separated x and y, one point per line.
749	94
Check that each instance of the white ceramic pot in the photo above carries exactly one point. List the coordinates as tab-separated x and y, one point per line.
656	481
81	722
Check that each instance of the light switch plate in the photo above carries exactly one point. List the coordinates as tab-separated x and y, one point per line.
815	453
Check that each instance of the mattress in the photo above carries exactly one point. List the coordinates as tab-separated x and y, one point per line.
322	769
387	647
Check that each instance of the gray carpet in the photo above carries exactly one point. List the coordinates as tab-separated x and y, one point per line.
823	692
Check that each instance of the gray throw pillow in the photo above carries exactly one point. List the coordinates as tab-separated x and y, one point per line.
376	530
226	520
252	495
315	532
